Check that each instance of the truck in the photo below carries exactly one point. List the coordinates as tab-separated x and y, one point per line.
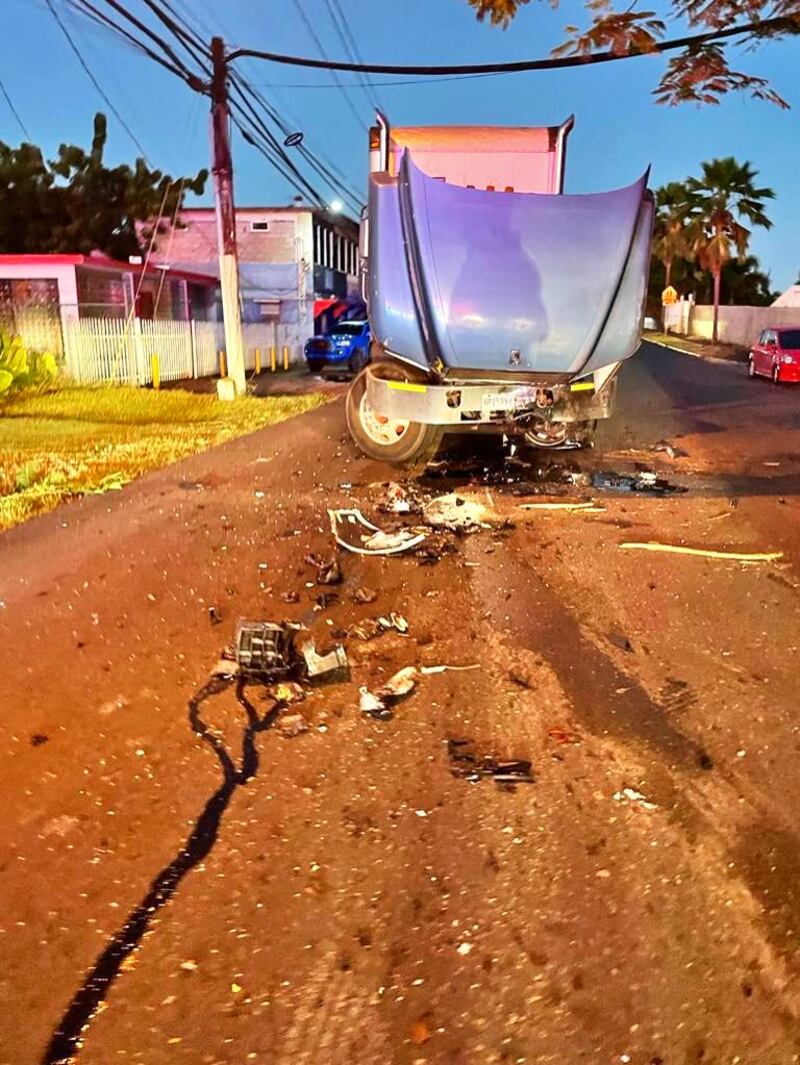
497	302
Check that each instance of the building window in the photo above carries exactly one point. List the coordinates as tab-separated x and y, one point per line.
259	227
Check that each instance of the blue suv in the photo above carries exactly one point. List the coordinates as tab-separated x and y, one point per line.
345	347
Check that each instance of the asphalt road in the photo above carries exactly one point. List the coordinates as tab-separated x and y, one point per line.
204	889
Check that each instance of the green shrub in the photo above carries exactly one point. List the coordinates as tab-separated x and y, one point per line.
20	368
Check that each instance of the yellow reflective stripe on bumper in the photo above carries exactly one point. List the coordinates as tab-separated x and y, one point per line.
406	386
582	386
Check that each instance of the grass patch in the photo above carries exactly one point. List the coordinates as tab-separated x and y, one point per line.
78	441
699	346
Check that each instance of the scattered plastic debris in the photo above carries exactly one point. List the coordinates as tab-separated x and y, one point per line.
347	525
702	552
632	795
454	513
373	706
467	765
399	685
369	628
328	667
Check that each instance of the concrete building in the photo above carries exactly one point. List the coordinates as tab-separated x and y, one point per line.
298	266
789	298
41	295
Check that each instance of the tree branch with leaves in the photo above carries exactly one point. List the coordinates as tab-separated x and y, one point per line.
700	72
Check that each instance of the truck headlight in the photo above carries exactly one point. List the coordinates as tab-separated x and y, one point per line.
787	358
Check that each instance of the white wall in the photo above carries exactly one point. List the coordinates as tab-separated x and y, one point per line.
737	325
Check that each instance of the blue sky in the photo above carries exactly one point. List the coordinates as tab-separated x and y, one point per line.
619	131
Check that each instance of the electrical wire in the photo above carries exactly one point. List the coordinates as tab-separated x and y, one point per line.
342	27
321	48
15	113
95	82
762	28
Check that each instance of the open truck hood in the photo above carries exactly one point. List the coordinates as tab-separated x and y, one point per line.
464	279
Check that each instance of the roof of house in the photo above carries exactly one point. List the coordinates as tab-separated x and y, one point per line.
103	262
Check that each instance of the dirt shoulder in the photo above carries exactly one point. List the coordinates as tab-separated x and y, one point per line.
703	349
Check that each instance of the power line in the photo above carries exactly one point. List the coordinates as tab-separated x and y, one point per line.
325	62
764	28
342	27
15	113
95	82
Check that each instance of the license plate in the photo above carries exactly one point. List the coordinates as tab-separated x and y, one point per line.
511	400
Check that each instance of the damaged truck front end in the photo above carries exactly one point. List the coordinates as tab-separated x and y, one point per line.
502	311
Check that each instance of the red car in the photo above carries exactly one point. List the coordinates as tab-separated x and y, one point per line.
776	354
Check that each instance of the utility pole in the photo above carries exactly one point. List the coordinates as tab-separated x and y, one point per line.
222	170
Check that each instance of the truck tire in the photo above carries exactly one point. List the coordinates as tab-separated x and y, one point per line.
401	443
556	435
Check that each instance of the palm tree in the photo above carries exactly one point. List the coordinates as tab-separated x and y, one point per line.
673	205
725	194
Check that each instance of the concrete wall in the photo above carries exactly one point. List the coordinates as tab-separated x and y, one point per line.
737	325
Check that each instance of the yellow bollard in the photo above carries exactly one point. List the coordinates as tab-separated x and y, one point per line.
258	360
286	358
272	359
156	369
223	367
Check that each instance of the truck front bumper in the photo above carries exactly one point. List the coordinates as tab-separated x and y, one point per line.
461	404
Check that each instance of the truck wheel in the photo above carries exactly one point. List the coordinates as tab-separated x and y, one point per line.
358	360
561	434
399	442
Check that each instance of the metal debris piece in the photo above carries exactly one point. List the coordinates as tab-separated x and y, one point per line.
213	616
588	507
673	451
465	764
679	549
367	629
327	667
263	649
453	512
352	531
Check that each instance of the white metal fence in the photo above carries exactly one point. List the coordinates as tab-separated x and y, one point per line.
111	349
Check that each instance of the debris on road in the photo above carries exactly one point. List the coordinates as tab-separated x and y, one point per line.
632	795
328	667
288	692
671	450
563	736
453	512
290	597
399	685
263	649
329	572
369	628
465	764
619	640
347	525
396	499
364	595
702	552
291	725
589	507
370	704
213	616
